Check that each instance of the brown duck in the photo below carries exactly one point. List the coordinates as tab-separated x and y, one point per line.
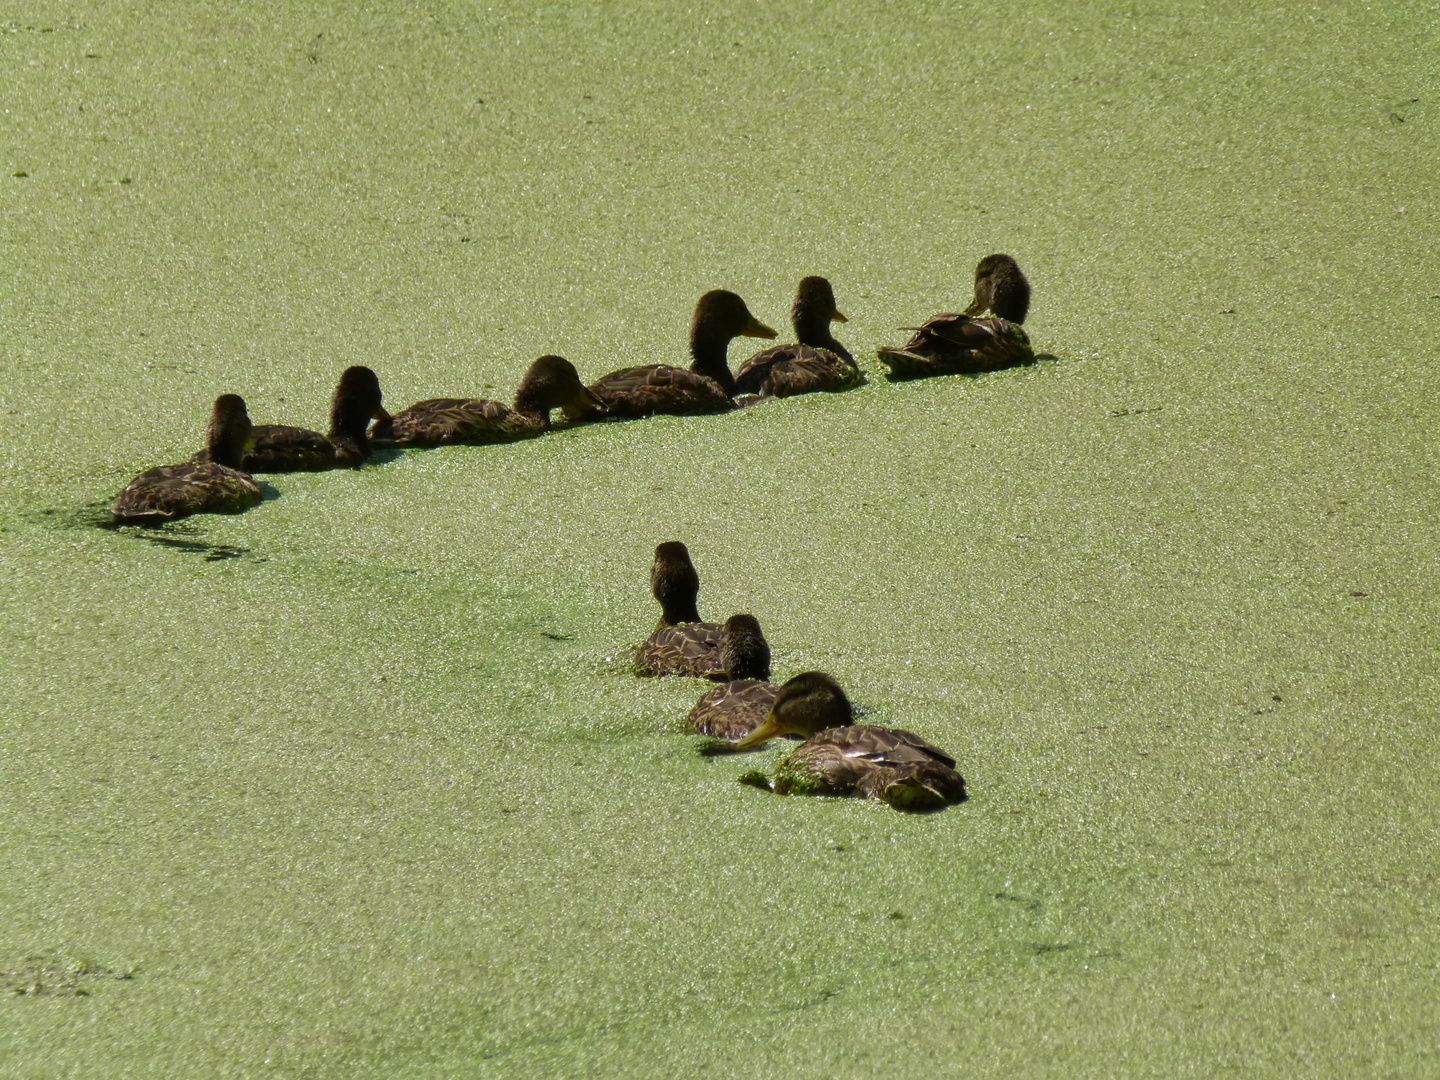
738	707
209	483
706	387
551	383
681	643
840	757
279	448
817	363
967	344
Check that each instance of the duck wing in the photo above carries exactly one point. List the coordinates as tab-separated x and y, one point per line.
280	448
176	491
952	344
659	388
442	421
688	649
733	710
873	762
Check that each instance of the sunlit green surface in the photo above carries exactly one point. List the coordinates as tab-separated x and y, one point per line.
379	795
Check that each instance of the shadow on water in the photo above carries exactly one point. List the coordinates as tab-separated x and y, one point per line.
187	535
904	377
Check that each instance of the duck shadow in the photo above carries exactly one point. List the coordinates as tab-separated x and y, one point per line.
903	377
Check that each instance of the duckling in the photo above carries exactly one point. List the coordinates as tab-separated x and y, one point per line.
965	344
681	643
278	448
550	383
209	483
739	706
706	387
843	758
818	362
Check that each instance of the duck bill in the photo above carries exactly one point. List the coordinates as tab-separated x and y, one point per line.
838	317
585	401
764	733
756	328
382	417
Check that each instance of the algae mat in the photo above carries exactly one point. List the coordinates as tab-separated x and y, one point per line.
358	783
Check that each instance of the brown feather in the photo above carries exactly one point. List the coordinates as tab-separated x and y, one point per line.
635	392
690	649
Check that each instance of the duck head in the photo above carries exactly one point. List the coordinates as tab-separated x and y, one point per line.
356	401
744	652
228	435
1000	287
809	703
674	583
720	316
813	311
553	383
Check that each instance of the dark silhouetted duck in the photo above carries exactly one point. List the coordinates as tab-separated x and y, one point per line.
707	386
681	643
209	483
278	448
551	383
840	757
818	362
966	344
738	707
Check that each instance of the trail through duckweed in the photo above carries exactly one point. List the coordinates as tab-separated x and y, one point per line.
359	782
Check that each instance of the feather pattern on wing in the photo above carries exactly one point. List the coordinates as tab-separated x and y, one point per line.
952	344
176	491
688	649
659	388
469	421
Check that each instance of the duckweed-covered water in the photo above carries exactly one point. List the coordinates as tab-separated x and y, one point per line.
359	782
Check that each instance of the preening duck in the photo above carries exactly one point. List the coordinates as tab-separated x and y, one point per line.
681	643
550	383
818	362
279	448
209	483
839	757
967	343
706	387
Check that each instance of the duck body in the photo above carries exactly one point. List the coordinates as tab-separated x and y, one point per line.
952	344
458	421
209	483
817	363
176	491
734	709
707	386
550	383
788	370
688	649
281	448
636	392
872	762
278	448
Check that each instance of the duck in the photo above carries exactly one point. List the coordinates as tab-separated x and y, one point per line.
970	342
840	757
707	386
817	363
550	383
209	483
738	706
279	448
682	644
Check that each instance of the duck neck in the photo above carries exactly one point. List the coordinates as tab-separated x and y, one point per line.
535	402
708	357
348	423
815	332
676	610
